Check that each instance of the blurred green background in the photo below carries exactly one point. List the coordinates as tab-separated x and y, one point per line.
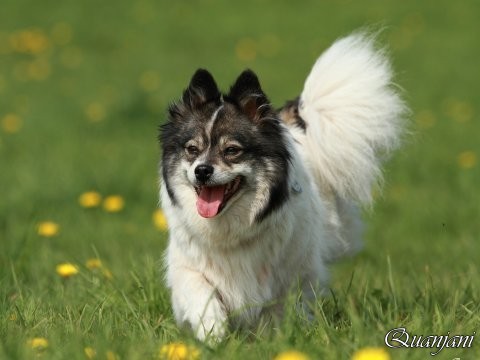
85	84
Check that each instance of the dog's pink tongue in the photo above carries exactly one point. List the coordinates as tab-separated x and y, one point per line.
209	200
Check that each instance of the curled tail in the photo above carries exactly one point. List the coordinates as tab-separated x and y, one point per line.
353	116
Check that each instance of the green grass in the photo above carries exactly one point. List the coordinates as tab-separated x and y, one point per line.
121	62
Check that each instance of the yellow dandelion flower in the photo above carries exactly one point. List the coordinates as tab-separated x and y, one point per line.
113	203
93	264
149	81
12	317
160	220
90	199
292	355
467	160
107	273
11	123
90	352
110	355
38	343
48	229
246	49
371	353
458	110
66	270
31	41
95	112
179	351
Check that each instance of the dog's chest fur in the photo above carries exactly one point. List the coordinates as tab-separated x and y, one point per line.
248	265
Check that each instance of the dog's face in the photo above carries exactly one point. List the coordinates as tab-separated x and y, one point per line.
228	150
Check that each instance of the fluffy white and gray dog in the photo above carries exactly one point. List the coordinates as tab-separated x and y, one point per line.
259	200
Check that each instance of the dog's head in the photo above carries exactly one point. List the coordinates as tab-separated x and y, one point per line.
223	148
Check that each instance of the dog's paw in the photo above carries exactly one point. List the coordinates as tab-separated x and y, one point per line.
211	330
212	324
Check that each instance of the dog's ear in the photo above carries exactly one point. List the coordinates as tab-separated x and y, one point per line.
202	89
248	94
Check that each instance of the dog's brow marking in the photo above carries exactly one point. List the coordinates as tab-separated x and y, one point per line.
209	126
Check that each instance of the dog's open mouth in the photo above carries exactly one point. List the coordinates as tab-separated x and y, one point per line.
212	199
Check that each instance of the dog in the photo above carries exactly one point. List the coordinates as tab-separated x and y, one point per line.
260	199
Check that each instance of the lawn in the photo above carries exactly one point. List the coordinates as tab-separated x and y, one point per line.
83	88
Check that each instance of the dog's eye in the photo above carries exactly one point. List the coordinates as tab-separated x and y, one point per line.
232	151
192	150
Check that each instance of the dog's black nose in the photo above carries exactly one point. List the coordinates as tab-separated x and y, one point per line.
203	172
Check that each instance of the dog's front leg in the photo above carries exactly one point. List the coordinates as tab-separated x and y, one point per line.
197	302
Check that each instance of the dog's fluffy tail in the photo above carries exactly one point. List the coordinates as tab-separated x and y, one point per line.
353	116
